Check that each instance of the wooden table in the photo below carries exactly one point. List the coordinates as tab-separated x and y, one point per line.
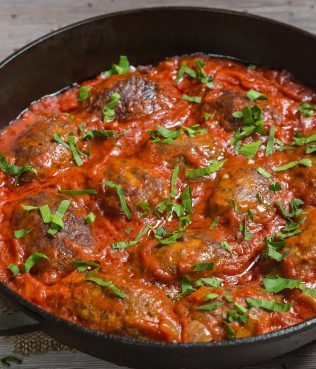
22	21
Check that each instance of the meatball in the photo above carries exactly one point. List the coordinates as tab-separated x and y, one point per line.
187	151
207	325
172	262
36	146
303	182
223	105
74	241
245	188
139	97
301	259
144	312
140	183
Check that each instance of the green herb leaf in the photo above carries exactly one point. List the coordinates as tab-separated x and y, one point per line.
275	187
120	68
184	69
250	150
209	307
186	198
186	287
32	260
310	149
306	110
14	269
164	135
84	92
125	244
108	284
109	107
90	218
202	267
301	141
214	223
120	194
202	76
209	282
74	150
103	133
225	246
15	170
45	213
84	266
210	296
268	305
263	172
294	205
145	207
174	177
277	284
200	172
192	99
256	95
270	142
20	233
77	192
231	334
305	162
194	130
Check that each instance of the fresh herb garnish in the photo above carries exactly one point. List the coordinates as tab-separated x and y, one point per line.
209	282
84	266
200	172
272	249
209	307
77	192
126	244
307	110
90	218
108	284
173	190
294	205
263	172
56	220
14	269
120	68
192	99
84	93
199	73
164	135
244	229
225	246
103	133
275	187
32	260
250	150
120	194
231	334
109	107
202	267
210	296
269	305
214	223
20	233
71	145
270	142
186	286
194	130
305	162
255	95
15	170
276	284
145	208
311	149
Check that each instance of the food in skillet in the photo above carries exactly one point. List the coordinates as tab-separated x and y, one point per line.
173	203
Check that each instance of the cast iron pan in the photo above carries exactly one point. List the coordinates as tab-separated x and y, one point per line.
83	50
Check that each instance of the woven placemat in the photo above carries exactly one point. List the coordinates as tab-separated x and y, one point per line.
30	343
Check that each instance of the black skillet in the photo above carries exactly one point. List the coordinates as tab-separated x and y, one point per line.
148	35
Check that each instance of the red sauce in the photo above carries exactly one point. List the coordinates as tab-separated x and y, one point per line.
191	241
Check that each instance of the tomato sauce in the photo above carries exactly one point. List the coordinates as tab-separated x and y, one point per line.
173	202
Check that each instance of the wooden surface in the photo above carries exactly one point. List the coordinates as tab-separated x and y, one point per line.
22	21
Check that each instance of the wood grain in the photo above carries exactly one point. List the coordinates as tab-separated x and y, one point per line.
22	21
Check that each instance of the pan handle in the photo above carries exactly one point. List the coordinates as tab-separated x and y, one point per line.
17	323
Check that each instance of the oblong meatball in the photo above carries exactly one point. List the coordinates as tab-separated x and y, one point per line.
36	146
145	311
139	97
186	151
74	241
244	188
140	182
301	259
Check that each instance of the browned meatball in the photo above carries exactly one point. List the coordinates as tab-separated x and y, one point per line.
140	183
192	152
144	312
139	96
245	188
36	146
223	105
301	260
74	241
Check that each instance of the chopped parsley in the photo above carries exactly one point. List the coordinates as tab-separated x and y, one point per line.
295	210
209	307
126	244
16	170
120	68
103	133
164	135
304	162
209	282
198	74
20	233
32	260
174	177
192	99
307	110
250	150
145	208
202	267
86	266
214	223
120	194
14	269
273	248
275	187
255	95
194	130
263	172
109	107
225	246
269	305
270	142
77	192
200	172
108	284
84	93
90	218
